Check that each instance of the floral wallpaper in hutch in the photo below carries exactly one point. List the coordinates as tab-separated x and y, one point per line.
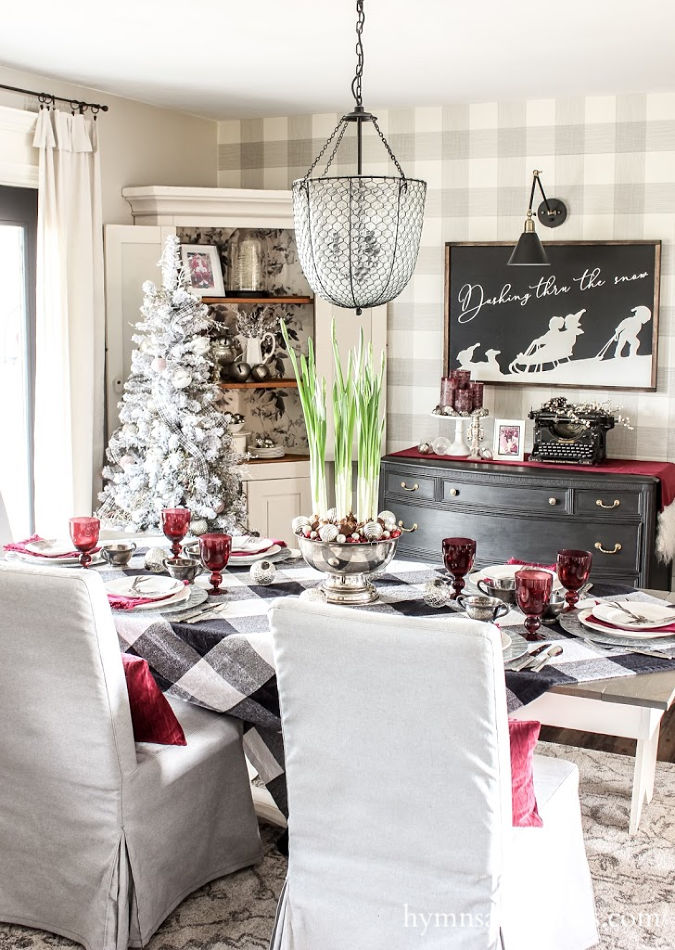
267	412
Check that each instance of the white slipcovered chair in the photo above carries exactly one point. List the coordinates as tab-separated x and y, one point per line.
5	533
100	837
399	786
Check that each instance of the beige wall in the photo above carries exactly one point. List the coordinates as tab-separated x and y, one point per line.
140	144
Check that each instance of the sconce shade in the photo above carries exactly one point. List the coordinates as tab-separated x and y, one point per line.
358	236
529	250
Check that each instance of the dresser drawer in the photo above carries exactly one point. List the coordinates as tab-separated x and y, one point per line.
498	497
502	536
404	484
599	503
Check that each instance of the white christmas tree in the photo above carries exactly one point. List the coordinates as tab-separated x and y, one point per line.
173	447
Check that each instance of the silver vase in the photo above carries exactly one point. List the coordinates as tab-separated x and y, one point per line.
348	567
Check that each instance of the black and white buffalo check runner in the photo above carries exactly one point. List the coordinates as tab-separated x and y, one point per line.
226	664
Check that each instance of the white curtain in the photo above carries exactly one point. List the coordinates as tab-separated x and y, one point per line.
69	333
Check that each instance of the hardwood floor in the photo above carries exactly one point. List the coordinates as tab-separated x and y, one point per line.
589	740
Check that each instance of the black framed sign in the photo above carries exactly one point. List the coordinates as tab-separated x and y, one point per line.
589	320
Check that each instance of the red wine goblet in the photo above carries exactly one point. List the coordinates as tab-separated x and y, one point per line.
533	592
175	524
214	550
573	569
84	535
458	556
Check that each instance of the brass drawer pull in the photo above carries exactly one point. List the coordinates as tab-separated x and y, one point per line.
599	547
409	530
553	501
600	503
405	487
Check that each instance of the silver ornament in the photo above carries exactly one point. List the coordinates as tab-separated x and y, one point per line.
437	593
154	560
388	517
199	526
341	539
300	523
313	594
372	531
425	448
262	573
328	532
331	514
486	453
356	536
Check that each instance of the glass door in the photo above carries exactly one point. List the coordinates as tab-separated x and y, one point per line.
18	229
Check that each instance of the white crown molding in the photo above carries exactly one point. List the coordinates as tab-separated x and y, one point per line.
210	207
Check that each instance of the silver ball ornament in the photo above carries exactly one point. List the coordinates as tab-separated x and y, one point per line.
372	531
300	523
425	448
388	517
341	539
154	560
328	532
314	594
199	526
262	573
331	514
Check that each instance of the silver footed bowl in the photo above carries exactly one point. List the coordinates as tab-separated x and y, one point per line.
348	566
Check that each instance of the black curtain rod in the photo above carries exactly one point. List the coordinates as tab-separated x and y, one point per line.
49	99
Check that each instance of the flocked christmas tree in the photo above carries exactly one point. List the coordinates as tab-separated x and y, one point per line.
173	447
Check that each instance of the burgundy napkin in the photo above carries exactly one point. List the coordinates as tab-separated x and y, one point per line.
20	546
546	567
248	553
670	627
118	602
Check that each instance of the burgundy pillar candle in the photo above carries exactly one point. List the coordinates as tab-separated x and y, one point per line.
448	389
477	390
464	377
463	400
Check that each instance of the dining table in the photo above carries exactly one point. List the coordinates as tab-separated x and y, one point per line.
225	663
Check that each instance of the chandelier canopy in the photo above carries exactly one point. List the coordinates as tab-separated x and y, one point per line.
357	235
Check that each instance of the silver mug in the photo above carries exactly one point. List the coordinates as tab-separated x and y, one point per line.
118	553
183	568
480	607
503	588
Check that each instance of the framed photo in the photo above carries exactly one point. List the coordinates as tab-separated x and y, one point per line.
509	440
589	320
202	262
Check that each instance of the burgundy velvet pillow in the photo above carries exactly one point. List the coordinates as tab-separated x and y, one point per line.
523	735
152	717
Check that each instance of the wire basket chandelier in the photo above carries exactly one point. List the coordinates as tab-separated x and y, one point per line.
357	235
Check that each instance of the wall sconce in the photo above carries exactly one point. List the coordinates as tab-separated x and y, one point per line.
551	213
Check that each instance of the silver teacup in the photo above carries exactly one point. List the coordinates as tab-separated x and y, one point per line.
503	588
118	553
183	568
480	607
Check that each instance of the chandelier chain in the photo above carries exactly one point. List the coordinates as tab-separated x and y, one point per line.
356	81
388	148
342	123
335	148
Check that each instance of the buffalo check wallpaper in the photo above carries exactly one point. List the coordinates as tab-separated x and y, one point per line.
610	158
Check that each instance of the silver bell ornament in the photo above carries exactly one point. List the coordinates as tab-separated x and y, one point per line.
154	560
262	573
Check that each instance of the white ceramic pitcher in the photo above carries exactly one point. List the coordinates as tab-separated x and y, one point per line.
254	349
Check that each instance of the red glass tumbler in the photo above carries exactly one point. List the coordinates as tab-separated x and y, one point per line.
214	550
533	592
84	535
458	557
175	525
573	569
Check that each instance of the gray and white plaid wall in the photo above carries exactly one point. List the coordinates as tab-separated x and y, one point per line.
610	158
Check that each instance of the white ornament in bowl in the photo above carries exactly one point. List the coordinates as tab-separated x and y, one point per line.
328	532
299	523
388	517
372	531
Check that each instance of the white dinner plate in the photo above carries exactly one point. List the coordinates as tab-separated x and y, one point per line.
54	547
245	560
178	598
247	544
152	585
506	640
585	618
500	571
657	615
56	561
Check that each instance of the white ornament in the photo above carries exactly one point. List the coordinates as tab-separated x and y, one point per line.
341	539
201	345
159	364
299	524
388	517
313	594
328	532
127	461
331	514
386	535
199	526
441	445
356	536
372	531
181	378
148	287
313	534
262	573
154	560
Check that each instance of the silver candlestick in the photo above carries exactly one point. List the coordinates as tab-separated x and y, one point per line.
476	433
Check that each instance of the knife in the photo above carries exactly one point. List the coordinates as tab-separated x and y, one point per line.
528	659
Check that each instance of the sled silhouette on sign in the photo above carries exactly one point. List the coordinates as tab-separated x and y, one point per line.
626	334
552	348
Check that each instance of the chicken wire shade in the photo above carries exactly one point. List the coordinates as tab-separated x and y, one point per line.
358	236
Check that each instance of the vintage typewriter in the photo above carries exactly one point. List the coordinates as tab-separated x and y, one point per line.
564	433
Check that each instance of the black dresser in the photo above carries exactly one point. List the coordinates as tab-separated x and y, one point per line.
527	513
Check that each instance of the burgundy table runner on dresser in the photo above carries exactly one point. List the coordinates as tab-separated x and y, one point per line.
664	471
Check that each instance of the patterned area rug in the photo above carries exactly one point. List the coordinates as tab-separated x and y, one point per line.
633	877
